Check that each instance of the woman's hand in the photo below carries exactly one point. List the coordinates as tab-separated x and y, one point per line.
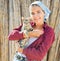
25	35
35	33
20	50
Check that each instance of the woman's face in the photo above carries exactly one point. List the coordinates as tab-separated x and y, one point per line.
37	15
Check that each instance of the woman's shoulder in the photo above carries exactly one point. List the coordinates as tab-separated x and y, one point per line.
18	28
48	28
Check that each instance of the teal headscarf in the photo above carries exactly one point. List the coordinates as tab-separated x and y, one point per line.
44	8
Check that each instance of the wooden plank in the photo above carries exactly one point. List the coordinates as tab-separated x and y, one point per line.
11	20
0	35
17	12
4	29
54	9
14	21
25	7
58	30
57	33
1	16
58	17
54	49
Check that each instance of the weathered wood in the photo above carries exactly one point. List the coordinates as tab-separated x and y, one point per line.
58	24
25	7
54	9
11	20
58	30
17	12
54	49
14	21
0	36
4	29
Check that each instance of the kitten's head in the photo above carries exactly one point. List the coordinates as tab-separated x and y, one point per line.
26	20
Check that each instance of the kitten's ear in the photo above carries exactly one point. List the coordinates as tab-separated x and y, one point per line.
22	18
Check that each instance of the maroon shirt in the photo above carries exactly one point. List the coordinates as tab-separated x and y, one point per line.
38	49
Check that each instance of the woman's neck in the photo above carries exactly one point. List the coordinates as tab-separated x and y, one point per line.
39	27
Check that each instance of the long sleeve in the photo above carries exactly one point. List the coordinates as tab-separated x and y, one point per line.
39	53
16	34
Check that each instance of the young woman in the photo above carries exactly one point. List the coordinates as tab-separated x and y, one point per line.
42	36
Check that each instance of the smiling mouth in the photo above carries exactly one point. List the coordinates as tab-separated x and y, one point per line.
38	18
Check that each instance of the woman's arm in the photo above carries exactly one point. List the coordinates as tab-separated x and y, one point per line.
16	34
35	33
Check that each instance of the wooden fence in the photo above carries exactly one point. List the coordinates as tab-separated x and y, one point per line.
10	18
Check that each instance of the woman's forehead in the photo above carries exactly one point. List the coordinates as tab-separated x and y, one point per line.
35	8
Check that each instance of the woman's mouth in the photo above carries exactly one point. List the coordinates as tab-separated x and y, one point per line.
37	18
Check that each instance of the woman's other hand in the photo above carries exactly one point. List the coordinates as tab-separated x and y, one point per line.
35	33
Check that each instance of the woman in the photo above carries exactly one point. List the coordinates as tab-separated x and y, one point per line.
42	36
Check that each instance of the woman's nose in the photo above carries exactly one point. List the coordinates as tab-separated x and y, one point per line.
36	16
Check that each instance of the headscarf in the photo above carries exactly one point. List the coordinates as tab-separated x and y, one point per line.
43	7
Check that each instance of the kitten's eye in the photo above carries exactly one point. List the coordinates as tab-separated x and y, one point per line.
26	20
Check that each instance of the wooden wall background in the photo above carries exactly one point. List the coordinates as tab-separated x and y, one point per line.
10	17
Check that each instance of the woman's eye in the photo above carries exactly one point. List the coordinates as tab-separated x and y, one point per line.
33	13
38	12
